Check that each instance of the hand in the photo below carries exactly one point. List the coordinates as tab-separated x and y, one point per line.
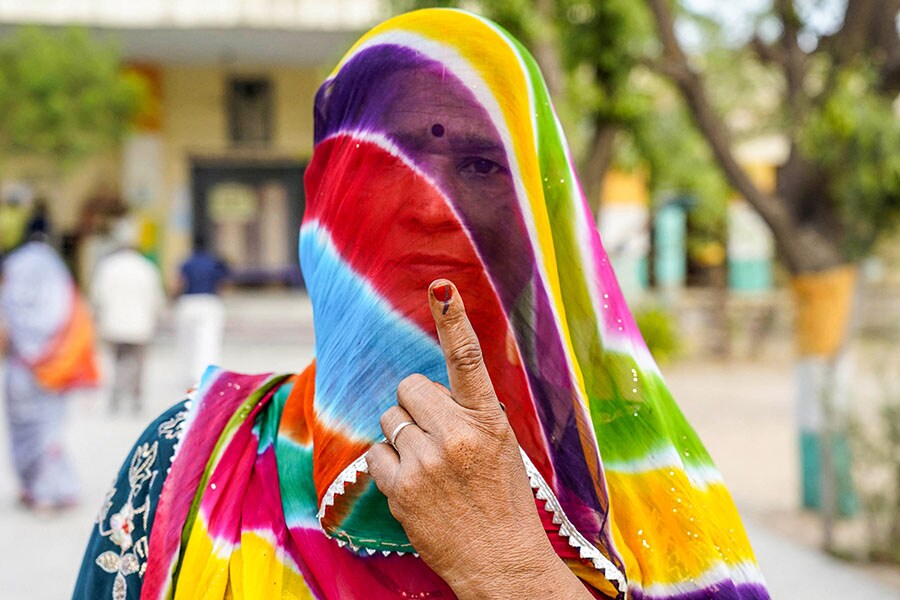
455	479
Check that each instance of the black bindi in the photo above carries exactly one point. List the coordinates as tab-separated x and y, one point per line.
437	130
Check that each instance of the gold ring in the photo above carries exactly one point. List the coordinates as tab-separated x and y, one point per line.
397	431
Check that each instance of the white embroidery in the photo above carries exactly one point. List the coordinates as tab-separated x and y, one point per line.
131	557
171	429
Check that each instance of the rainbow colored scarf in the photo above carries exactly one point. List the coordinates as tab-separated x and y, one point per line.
438	154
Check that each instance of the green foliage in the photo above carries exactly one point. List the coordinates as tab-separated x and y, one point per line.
659	331
855	138
62	95
604	38
842	120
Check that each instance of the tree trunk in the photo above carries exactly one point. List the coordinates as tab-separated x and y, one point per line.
597	163
825	301
546	51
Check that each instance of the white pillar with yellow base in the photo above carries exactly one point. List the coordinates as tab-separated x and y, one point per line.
824	302
623	221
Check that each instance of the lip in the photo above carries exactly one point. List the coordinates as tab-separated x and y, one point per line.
433	261
440	260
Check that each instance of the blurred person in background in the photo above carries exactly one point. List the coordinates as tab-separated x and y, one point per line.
128	298
14	216
39	219
199	311
49	352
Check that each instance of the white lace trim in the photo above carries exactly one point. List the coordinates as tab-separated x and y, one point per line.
542	491
337	488
586	550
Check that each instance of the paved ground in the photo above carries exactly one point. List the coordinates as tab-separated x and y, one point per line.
741	411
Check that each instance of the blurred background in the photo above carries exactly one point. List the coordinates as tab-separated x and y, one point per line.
742	160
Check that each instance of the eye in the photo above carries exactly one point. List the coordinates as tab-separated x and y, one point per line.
480	167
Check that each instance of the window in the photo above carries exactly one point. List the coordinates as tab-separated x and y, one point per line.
250	111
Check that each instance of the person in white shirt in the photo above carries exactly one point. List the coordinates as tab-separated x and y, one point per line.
128	298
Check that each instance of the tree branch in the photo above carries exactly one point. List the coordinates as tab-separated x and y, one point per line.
546	50
767	53
850	39
714	129
885	42
794	63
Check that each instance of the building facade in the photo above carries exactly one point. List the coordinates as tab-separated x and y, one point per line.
221	145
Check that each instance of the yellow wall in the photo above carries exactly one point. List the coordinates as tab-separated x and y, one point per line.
194	124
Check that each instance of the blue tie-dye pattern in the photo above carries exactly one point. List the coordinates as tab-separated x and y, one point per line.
357	376
209	377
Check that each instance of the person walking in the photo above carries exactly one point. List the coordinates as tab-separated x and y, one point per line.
48	352
128	298
199	313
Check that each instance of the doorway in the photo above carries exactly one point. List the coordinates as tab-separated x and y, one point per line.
250	213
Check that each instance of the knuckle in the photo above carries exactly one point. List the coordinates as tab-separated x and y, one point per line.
466	356
461	443
431	462
375	461
412	385
388	417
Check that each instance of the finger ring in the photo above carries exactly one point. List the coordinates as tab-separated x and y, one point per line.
397	431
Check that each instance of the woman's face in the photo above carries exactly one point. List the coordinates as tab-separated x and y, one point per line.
438	123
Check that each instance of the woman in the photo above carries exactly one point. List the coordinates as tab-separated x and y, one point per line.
568	472
49	351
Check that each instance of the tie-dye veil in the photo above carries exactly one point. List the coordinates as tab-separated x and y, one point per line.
438	154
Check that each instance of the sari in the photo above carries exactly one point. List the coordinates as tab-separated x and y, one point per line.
50	353
437	154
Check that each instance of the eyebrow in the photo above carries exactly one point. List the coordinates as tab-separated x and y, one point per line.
475	143
465	143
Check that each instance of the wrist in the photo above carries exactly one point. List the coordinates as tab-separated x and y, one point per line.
532	571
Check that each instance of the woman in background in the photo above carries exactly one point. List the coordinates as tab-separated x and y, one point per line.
49	352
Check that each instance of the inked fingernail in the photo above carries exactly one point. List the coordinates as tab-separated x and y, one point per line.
442	293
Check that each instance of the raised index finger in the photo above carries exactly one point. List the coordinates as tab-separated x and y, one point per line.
470	384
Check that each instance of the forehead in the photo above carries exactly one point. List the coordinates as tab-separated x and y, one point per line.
430	91
426	96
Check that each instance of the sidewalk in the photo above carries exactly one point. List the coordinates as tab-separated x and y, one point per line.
795	572
743	413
